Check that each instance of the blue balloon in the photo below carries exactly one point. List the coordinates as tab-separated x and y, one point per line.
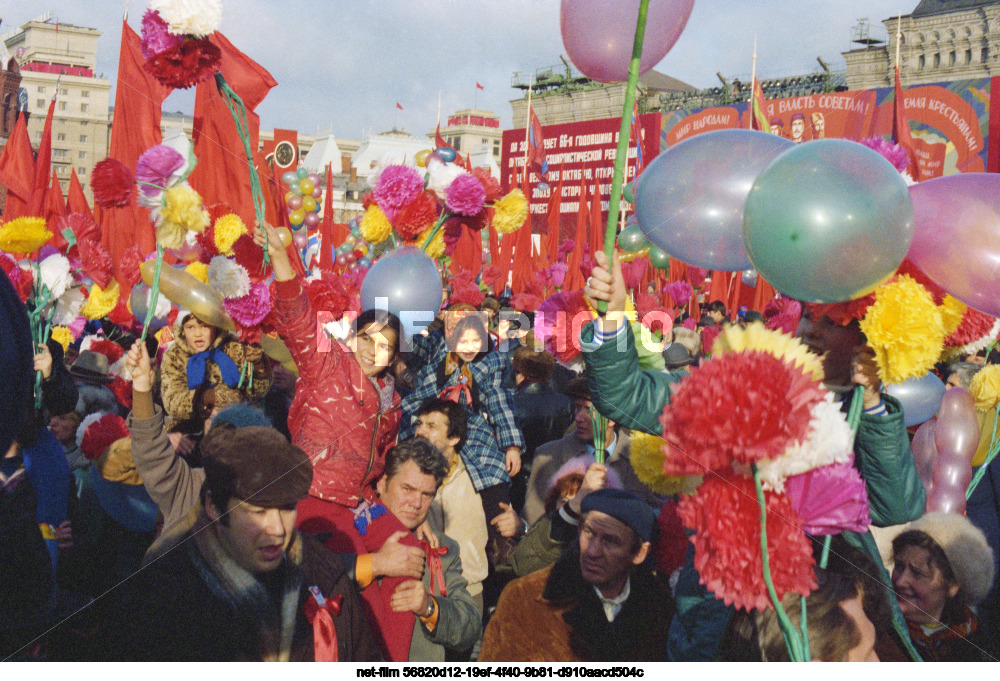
446	154
407	283
920	397
364	262
302	172
139	302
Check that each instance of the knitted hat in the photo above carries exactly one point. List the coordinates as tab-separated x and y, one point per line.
625	507
256	464
965	546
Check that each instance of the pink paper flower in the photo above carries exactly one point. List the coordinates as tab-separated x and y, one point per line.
679	292
465	195
252	308
396	187
557	273
830	499
155	166
891	152
156	35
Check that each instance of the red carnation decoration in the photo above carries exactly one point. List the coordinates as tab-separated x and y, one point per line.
128	269
525	302
708	336
490	184
480	220
96	262
841	314
207	242
652	314
493	278
109	349
416	216
671	547
743	406
558	322
101	434
726	520
468	294
783	314
123	392
23	284
113	184
975	325
333	293
83	229
186	64
120	316
462	278
536	287
251	256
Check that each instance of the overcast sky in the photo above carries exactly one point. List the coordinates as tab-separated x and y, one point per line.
346	63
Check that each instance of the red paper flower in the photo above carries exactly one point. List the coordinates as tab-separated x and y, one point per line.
679	292
120	316
742	406
123	391
113	184
251	309
96	262
525	302
416	216
974	326
708	336
251	257
783	314
468	294
671	547
558	322
186	64
841	314
493	278
206	240
101	434
23	284
490	184
462	278
633	272
726	520
465	195
128	270
109	349
480	221
83	227
334	294
652	314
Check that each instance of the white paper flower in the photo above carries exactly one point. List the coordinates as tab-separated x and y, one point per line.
228	277
984	342
190	17
55	273
440	175
829	441
68	307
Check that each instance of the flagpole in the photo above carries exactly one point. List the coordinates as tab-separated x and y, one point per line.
439	110
753	81
527	129
899	36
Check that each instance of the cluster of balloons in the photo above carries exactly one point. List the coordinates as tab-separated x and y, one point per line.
632	240
920	398
943	449
182	289
302	200
355	252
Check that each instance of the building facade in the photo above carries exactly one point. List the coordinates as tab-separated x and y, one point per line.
475	132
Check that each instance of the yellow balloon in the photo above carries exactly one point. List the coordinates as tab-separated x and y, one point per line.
296	217
285	235
629	257
274	348
184	290
362	247
306	187
421	157
308	203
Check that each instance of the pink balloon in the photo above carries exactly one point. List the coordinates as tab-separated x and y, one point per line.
312	220
317	193
598	34
314	178
294	202
946	497
956	240
957	433
925	453
301	240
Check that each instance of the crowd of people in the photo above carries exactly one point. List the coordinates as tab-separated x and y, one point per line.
444	503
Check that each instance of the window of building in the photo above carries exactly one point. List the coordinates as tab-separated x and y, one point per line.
41	103
84	123
951	59
937	60
41	88
968	56
60	136
82	154
84	107
84	186
85	93
81	170
62	106
985	56
58	153
920	62
63	91
83	138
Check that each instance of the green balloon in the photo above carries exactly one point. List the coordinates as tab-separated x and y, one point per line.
632	239
628	192
659	258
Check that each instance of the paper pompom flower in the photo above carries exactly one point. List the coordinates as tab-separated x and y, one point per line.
679	292
199	271
741	407
170	234
985	387
525	302
112	183
182	205
781	345
122	389
250	256
470	295
436	248
24	235
416	217
63	336
156	35
186	64
952	310
465	195
441	175
830	500
155	166
68	307
251	309
226	230
510	212
101	434
228	278
890	151
397	186
647	457
783	314
55	274
904	329
670	551
334	294
490	184
109	349
96	262
128	269
82	226
190	17
101	301
975	325
726	520
558	322
375	226
829	441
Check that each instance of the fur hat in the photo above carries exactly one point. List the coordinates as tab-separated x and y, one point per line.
255	464
966	548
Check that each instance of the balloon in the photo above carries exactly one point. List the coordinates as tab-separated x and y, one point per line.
421	157
301	172
659	258
407	283
598	34
342	260
285	235
306	186
634	255
749	277
920	397
314	178
317	193
288	196
957	432
301	240
294	188
343	248
956	241
295	202
184	290
274	348
827	221
312	220
434	157
296	216
351	239
632	239
308	203
925	453
446	154
948	493
360	250
690	199
355	227
628	192
139	304
364	262
289	177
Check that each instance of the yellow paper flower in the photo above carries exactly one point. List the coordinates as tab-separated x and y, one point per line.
904	328
510	212
646	456
375	226
227	230
436	248
101	301
24	235
198	270
757	337
951	310
170	234
63	336
182	205
985	387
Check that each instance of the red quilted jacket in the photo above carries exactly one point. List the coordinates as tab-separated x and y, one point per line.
335	416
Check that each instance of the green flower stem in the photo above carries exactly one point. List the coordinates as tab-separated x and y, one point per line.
599	427
825	556
994	449
434	231
154	296
857	406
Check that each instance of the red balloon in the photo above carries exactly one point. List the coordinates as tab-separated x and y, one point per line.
294	202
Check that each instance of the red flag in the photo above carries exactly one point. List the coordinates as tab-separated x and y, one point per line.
222	174
596	221
523	272
554	222
438	140
468	253
331	233
76	199
574	277
399	106
17	168
536	145
901	128
758	108
55	206
138	99
478	86
43	162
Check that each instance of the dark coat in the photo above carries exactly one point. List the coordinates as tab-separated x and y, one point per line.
59	392
542	414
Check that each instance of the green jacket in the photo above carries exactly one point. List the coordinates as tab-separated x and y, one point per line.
635	398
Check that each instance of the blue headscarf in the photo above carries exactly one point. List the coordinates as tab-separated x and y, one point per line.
197	368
